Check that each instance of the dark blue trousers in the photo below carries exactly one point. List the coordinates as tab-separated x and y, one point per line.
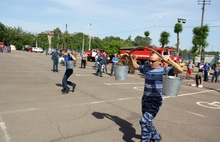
55	65
215	76
65	80
99	70
206	77
150	107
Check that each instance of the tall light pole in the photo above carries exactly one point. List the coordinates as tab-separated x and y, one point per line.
203	3
36	39
83	42
90	35
155	26
177	30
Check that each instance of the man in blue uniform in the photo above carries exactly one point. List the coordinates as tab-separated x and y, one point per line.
152	96
55	58
100	62
69	59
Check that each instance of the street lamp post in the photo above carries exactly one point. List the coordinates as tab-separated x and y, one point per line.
179	20
155	26
90	35
83	43
36	40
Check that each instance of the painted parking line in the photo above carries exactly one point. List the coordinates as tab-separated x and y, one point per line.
3	129
123	83
84	75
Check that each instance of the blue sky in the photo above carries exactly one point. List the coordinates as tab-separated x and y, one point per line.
114	18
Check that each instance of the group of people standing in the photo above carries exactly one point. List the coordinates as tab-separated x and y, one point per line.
203	72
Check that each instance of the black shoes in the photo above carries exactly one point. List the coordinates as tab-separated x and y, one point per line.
65	92
73	90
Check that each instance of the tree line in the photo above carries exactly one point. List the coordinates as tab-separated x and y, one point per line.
18	37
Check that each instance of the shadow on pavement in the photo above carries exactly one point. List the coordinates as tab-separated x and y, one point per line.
59	85
207	87
125	127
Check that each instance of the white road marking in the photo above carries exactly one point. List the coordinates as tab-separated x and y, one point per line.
20	110
3	128
193	113
123	83
84	75
212	105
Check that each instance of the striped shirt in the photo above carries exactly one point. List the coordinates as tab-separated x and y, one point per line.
153	79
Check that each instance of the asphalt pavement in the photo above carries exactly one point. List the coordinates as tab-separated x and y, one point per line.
102	109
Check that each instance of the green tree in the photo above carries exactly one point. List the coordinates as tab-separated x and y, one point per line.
178	28
164	38
200	35
129	41
112	45
148	40
2	32
140	41
56	38
42	41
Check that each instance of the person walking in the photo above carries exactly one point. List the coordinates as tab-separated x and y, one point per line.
105	60
75	55
216	73
182	65
152	96
206	69
190	68
83	60
55	58
100	62
114	62
69	59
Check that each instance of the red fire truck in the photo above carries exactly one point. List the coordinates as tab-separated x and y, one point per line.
92	53
144	53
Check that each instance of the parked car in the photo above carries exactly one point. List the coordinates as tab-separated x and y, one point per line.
37	49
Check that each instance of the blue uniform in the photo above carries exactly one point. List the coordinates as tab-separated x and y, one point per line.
152	99
55	58
100	63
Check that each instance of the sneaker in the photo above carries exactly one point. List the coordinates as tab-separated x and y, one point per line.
66	92
63	90
73	90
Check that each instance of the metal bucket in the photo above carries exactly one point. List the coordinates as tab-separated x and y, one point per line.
121	72
70	64
171	85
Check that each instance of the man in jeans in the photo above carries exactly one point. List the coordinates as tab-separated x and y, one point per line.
216	73
69	71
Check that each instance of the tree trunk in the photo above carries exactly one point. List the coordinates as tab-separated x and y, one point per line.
178	42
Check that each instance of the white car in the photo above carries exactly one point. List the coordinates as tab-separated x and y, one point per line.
37	49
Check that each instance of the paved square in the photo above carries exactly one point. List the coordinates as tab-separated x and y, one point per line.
32	108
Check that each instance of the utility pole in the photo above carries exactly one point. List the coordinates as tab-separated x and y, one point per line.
203	3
